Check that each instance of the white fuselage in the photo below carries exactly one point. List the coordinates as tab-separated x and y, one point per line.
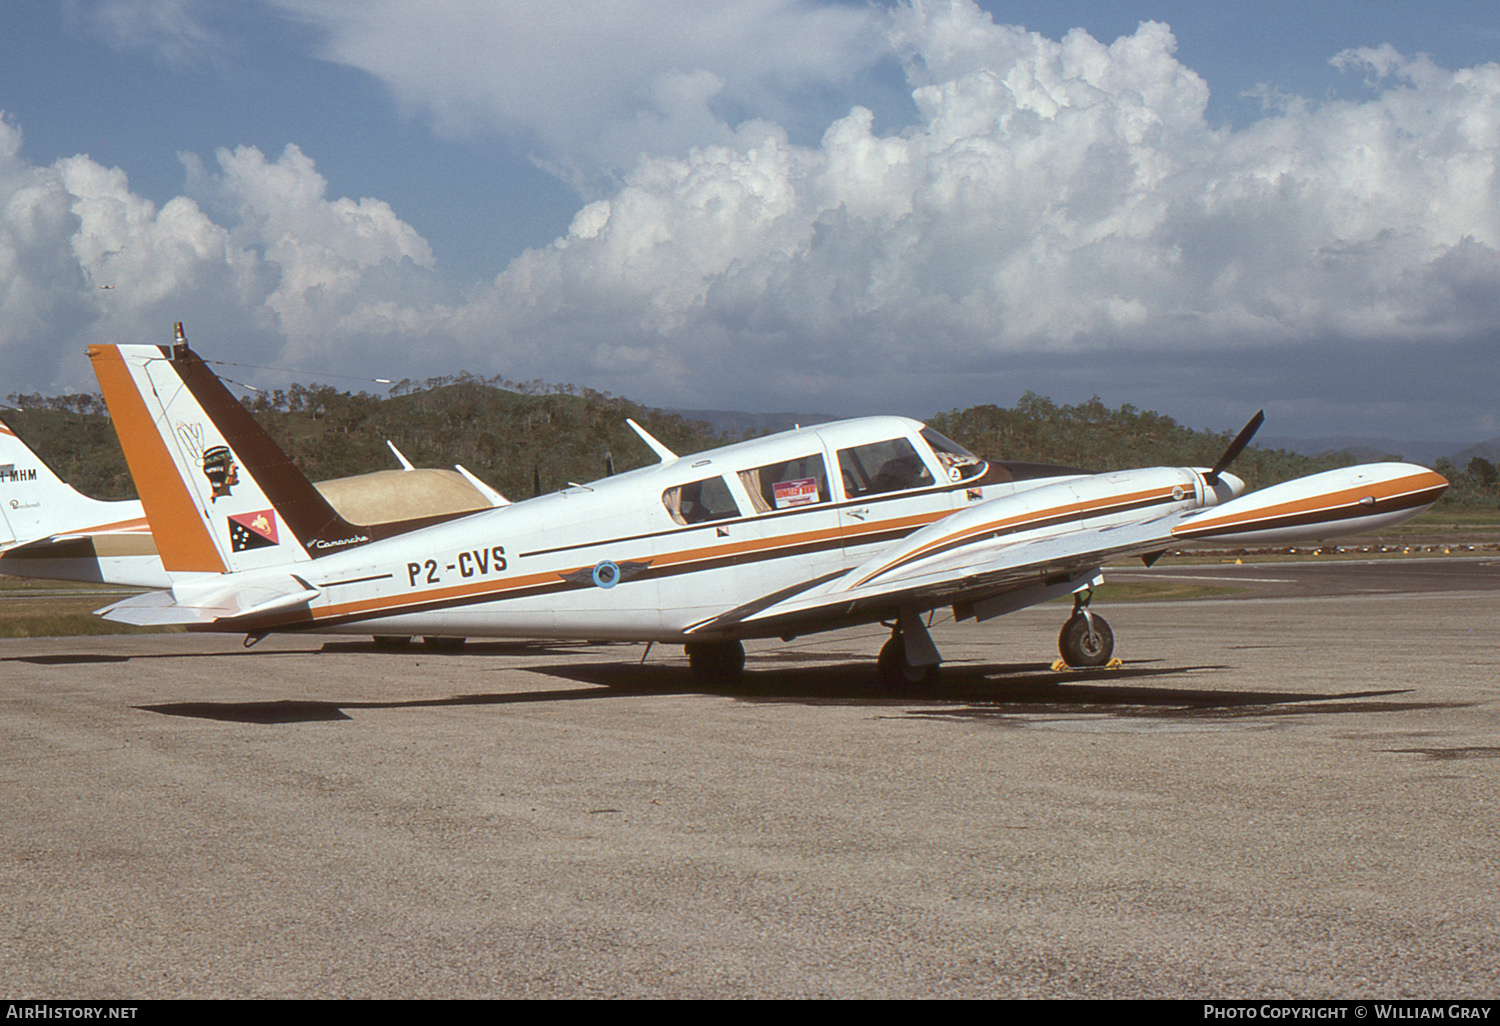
610	561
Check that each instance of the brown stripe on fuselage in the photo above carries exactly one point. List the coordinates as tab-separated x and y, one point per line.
664	565
673	564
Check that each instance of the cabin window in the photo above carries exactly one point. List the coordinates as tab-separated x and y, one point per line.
700	501
890	466
960	463
787	485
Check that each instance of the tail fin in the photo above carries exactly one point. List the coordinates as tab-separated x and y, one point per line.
36	504
220	495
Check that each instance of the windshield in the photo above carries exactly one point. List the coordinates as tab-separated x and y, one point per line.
960	463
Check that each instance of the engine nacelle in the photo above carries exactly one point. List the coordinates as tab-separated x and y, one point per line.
1327	505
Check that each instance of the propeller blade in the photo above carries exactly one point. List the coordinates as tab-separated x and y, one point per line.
1240	441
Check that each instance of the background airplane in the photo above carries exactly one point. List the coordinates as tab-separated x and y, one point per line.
872	520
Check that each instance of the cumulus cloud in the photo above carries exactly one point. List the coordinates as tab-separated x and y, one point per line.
1055	200
278	271
594	84
1058	208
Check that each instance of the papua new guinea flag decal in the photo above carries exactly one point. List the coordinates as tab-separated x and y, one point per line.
252	530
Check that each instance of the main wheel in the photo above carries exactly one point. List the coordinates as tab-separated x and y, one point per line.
896	672
716	661
393	642
1080	646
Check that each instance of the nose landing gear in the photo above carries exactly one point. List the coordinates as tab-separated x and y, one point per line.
1085	640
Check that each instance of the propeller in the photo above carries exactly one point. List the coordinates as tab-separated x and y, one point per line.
1240	441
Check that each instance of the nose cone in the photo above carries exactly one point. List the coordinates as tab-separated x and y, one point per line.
1228	487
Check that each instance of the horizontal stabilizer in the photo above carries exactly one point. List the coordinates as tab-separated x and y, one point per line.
211	604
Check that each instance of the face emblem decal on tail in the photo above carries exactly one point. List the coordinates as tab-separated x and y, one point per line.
216	461
252	530
220	469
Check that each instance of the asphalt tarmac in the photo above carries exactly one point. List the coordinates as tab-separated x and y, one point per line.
1289	794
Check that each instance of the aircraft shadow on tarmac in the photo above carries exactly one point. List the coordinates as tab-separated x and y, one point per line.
970	691
493	648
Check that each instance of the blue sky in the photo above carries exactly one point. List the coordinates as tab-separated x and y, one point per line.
774	204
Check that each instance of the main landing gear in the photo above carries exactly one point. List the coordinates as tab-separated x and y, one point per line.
909	658
1086	639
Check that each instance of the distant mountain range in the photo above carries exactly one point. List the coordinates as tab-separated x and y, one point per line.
1375	449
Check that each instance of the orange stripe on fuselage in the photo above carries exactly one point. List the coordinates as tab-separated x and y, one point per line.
393	605
177	525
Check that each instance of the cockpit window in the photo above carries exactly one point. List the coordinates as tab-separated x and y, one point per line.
960	463
799	482
701	501
890	466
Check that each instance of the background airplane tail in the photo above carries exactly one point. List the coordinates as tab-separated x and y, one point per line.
35	503
219	493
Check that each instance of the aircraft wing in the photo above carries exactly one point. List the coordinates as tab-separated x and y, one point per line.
956	562
1018	550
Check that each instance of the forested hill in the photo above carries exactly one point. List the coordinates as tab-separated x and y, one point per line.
1094	437
513	438
518	436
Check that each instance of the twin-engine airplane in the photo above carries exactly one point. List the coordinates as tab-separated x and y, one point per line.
858	521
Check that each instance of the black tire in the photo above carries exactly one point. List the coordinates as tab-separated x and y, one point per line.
716	662
896	672
1079	647
392	642
443	644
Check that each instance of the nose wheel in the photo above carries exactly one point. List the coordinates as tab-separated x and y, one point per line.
1086	639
